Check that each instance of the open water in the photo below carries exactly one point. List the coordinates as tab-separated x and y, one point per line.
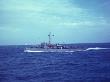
80	66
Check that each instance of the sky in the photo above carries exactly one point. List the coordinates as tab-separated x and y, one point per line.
71	21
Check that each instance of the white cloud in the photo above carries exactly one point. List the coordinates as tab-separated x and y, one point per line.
52	12
9	29
86	23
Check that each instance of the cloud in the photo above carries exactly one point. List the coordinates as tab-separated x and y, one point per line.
86	23
9	29
28	18
53	12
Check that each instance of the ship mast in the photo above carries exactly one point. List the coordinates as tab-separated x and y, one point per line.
50	38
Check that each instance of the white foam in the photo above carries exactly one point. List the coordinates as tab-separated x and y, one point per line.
88	49
96	48
69	51
32	51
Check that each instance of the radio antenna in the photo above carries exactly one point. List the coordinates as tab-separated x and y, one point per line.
50	37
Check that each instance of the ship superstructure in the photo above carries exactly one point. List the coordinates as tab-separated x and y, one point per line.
50	47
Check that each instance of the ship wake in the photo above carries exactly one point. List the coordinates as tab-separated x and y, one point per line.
68	51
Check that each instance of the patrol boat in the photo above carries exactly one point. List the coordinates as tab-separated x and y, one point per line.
49	47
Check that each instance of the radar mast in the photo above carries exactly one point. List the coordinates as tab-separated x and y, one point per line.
50	37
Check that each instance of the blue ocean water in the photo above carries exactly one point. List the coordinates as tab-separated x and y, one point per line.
80	66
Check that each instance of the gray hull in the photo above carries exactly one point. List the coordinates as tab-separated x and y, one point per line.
50	50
